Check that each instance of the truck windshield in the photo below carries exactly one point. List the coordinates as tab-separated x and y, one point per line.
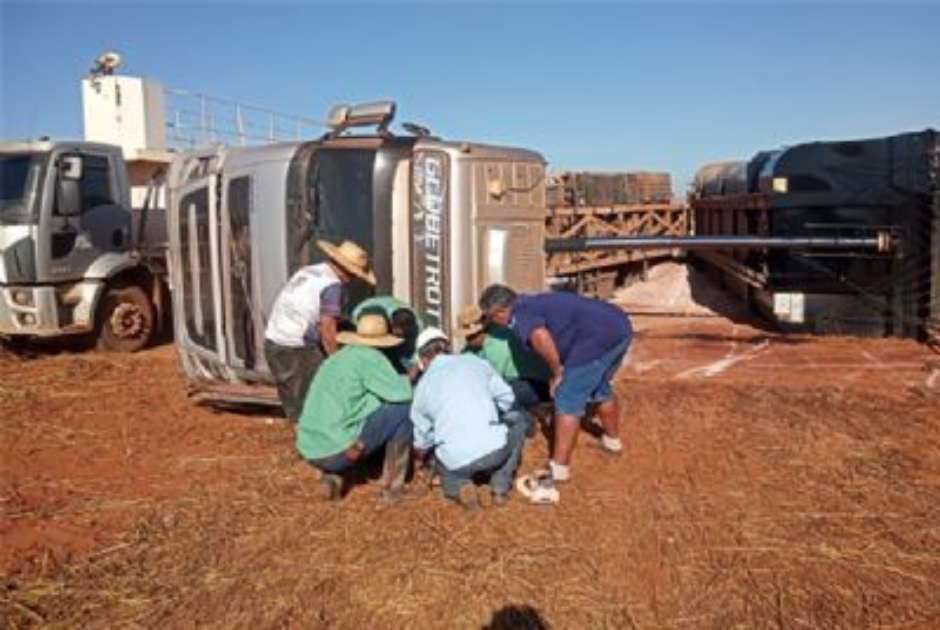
344	196
19	178
344	203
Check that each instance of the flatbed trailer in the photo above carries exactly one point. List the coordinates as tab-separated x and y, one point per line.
859	191
642	205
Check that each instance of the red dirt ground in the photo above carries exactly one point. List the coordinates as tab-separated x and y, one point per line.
769	480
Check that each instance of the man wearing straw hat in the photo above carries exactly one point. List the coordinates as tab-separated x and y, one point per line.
356	404
403	322
524	370
302	328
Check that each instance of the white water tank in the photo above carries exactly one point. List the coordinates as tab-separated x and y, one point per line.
129	112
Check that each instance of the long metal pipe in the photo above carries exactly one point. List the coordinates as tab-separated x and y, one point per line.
882	242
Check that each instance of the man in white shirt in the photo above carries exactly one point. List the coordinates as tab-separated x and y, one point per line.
301	331
466	412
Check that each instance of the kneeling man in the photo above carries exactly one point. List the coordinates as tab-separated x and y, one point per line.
466	412
357	404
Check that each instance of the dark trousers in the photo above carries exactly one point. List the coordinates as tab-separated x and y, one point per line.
529	391
293	370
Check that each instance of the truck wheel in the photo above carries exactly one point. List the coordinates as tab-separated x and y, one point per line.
125	320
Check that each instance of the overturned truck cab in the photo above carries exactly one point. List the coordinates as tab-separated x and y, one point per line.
441	220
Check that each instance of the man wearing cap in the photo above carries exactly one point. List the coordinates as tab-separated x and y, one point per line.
583	342
524	370
301	330
457	410
356	404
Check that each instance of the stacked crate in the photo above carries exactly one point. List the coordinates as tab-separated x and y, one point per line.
607	189
588	204
648	187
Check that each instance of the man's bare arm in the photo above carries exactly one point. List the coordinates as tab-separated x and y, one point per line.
328	328
543	343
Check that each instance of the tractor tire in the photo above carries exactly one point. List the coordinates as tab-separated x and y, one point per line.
125	320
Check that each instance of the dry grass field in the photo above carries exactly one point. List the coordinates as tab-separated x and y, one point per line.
769	481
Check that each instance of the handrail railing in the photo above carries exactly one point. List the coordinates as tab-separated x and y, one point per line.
195	119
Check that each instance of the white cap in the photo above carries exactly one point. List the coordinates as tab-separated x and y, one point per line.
428	335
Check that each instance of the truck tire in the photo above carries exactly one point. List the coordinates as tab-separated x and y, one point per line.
125	320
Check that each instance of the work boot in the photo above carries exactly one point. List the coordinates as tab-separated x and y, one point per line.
468	499
395	470
500	499
330	487
426	479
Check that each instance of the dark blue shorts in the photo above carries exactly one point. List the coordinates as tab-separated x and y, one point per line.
589	383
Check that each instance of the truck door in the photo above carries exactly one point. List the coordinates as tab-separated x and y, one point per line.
197	270
240	321
77	237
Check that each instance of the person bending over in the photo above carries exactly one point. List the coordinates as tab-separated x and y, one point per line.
301	330
583	342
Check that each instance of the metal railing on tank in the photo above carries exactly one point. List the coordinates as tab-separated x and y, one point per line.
194	119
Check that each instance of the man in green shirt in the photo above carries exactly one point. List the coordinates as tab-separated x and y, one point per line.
525	371
403	322
356	404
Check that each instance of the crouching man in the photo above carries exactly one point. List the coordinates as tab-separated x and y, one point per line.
357	404
457	409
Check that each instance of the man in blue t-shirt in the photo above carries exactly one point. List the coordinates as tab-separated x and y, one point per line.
583	341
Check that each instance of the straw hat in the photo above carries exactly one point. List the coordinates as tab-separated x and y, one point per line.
469	321
350	257
371	330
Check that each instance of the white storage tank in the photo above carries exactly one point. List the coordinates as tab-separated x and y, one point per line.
125	111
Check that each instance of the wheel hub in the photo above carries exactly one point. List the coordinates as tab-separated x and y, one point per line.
128	322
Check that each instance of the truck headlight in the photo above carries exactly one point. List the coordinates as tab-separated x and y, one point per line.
22	297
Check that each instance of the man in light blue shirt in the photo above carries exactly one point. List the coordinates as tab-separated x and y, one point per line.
466	412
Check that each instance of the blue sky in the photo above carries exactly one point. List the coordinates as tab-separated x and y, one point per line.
592	86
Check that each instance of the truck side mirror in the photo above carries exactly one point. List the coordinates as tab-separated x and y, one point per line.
69	199
70	167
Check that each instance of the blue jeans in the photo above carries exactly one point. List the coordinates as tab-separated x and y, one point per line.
589	383
500	465
529	391
389	423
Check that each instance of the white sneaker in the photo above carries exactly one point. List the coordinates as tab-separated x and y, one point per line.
538	488
559	472
611	444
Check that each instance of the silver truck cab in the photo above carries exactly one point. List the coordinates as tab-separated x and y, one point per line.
441	220
68	238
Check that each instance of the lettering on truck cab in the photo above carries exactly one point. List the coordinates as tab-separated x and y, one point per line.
429	232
